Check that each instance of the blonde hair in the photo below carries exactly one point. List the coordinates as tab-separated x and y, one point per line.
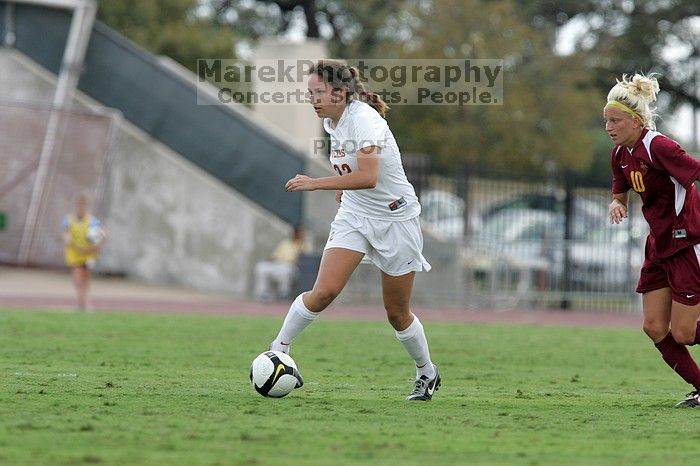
82	197
342	76
637	94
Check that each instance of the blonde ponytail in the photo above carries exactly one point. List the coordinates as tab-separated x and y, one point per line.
636	94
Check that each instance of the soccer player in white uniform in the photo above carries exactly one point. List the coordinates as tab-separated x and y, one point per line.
378	215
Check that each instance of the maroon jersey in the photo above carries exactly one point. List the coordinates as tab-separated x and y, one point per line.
663	175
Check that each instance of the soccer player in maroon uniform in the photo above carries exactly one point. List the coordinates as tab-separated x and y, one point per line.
663	175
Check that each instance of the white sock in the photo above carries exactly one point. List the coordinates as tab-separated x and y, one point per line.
413	339
298	318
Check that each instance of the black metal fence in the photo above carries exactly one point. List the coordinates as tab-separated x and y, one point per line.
542	244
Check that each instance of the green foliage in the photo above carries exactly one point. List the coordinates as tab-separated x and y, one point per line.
162	389
628	37
552	103
352	29
168	27
548	99
598	174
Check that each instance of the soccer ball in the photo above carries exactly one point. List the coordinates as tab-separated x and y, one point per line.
95	234
274	374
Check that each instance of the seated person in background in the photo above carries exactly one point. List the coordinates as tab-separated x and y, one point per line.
83	238
279	269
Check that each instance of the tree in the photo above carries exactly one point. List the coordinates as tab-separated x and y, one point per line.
353	29
549	101
627	36
534	129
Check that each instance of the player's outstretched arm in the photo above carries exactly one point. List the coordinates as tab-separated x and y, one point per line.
365	177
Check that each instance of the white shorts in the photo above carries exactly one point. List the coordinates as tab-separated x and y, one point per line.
396	247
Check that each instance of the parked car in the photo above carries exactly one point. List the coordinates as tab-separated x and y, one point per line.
531	241
520	239
588	213
610	258
442	214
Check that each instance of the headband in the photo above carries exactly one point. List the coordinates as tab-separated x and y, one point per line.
624	108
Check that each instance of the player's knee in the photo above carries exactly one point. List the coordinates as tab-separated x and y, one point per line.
323	296
655	330
397	322
399	317
684	336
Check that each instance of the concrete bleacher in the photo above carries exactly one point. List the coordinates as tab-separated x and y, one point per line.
186	190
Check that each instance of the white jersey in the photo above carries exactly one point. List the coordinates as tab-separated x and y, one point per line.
393	198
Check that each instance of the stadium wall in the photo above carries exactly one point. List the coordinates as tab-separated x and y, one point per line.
119	74
170	221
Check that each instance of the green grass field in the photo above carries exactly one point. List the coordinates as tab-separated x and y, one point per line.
127	389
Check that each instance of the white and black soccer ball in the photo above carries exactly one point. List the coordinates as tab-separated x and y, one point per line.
274	374
95	234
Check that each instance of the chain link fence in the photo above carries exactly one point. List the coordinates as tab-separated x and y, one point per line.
75	161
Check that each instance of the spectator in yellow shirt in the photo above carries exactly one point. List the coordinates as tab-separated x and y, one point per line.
83	238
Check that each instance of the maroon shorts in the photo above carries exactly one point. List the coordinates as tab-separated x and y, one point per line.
680	272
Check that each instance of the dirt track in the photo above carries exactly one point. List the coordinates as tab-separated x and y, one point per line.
40	289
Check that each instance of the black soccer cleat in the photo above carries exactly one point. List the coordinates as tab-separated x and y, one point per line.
300	380
424	387
692	400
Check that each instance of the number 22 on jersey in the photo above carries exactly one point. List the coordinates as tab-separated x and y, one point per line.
342	168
